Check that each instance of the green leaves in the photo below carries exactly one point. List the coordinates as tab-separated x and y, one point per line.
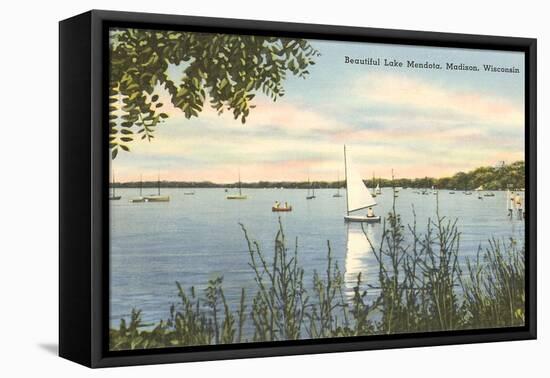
227	69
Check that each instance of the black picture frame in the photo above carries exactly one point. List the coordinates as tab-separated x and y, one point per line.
84	171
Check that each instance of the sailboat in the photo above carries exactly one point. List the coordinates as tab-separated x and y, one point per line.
157	197
310	190
378	191
373	194
239	196
337	194
140	198
358	196
113	196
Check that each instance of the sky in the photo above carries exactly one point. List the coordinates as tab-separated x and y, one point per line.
417	122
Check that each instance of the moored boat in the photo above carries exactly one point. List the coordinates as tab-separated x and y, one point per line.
157	197
239	196
337	194
113	196
310	190
140	198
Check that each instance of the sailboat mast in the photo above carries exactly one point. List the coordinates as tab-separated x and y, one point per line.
158	184
140	185
346	175
338	183
240	191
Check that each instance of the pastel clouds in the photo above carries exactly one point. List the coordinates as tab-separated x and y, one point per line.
416	126
438	101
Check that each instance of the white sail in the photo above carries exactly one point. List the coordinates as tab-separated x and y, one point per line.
357	194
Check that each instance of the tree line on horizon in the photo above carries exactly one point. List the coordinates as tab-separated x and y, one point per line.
510	176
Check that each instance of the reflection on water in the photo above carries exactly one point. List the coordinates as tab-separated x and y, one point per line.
359	254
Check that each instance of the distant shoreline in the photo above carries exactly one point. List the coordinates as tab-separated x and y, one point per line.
510	176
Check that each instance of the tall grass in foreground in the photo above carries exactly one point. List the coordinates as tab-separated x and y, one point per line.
421	287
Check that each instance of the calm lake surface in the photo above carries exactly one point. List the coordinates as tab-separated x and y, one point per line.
194	238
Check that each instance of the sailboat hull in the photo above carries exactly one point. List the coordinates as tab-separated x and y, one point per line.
236	197
114	198
310	197
137	200
362	218
281	209
157	198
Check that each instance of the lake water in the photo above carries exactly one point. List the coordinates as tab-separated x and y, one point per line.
194	238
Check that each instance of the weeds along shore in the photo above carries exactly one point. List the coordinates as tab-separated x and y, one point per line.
421	287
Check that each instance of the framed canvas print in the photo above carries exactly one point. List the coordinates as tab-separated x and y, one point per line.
233	188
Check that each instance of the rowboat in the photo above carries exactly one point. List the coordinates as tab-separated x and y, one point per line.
281	209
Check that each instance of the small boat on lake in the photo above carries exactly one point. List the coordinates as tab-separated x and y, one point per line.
373	194
278	208
337	194
378	191
140	198
113	196
157	197
310	190
188	193
489	194
239	196
358	196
